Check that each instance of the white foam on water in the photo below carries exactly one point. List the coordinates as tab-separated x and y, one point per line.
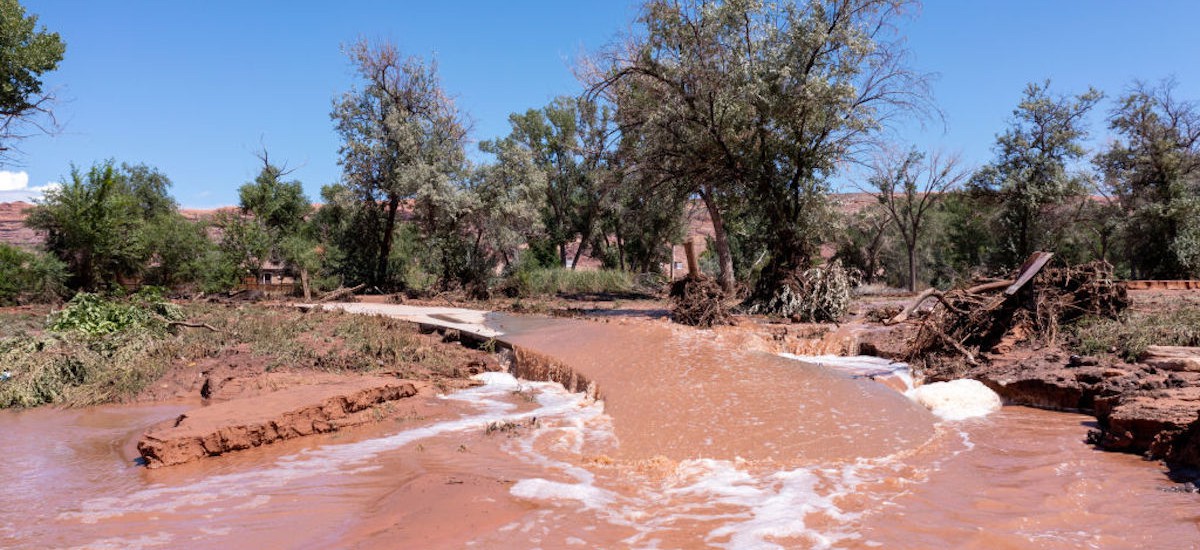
957	399
123	543
950	401
860	365
542	489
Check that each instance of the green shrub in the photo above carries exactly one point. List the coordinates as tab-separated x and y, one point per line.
29	277
551	281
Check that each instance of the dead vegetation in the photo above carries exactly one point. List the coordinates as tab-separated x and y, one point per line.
698	300
996	315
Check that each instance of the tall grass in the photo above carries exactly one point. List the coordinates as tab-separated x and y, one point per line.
557	280
1129	336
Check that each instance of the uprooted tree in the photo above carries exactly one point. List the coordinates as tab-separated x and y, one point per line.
967	324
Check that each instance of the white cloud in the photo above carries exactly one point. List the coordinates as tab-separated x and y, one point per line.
13	181
14	186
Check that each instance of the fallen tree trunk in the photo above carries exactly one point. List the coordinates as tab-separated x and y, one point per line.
341	293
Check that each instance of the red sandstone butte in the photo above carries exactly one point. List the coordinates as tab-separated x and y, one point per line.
286	414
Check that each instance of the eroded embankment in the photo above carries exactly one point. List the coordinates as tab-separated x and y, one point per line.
245	423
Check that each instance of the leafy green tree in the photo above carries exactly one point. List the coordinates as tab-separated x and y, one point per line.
280	205
1031	174
570	140
179	247
280	209
349	231
402	142
27	52
94	226
757	103
1154	173
505	197
246	244
150	189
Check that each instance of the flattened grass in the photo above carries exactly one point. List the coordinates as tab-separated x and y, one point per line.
73	368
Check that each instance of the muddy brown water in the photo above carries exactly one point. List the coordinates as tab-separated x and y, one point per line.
701	441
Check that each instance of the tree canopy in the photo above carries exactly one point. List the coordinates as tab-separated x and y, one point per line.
27	52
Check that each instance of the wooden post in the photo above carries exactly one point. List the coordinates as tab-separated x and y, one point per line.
689	248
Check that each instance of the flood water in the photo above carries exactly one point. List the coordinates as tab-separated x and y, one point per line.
700	441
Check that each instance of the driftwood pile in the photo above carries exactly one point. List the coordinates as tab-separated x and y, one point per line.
992	316
698	300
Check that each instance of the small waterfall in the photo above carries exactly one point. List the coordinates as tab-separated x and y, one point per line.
951	401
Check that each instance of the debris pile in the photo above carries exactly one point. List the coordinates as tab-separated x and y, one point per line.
698	300
993	316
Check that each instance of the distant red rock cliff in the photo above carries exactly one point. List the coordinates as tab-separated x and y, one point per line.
12	226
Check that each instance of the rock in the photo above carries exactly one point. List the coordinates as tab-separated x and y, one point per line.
245	423
1147	422
1173	358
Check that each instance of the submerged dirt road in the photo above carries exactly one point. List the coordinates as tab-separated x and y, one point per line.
518	464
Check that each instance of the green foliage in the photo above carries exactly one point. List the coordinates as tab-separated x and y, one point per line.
568	142
181	250
402	146
759	103
110	224
280	205
246	244
1153	168
27	277
1030	174
26	54
1129	336
552	281
91	315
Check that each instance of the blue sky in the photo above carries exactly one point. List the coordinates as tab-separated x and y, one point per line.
194	87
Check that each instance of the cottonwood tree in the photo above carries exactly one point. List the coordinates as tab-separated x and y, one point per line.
1031	173
504	199
908	187
27	52
1154	172
402	142
759	104
570	141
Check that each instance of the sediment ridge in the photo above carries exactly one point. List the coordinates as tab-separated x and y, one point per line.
294	412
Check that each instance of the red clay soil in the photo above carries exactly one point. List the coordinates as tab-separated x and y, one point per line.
295	412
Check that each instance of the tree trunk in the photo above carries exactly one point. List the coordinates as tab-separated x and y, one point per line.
720	242
385	250
584	236
304	284
912	267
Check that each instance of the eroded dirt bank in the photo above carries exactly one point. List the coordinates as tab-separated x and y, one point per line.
274	416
